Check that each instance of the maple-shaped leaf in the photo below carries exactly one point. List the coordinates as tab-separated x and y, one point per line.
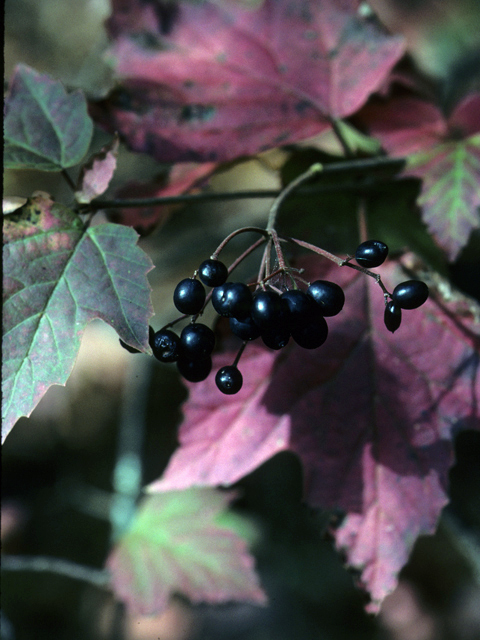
96	174
213	81
183	542
45	128
370	414
444	153
57	277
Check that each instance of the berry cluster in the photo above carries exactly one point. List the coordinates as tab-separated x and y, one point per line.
272	314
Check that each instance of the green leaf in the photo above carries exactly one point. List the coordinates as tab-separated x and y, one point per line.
45	128
450	197
182	542
57	277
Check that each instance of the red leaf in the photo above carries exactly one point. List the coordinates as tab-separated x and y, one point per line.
213	81
371	416
96	174
444	153
184	541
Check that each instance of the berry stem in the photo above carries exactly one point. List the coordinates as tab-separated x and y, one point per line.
315	249
232	235
239	354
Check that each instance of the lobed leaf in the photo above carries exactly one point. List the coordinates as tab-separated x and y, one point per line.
213	81
444	153
371	416
181	542
57	277
45	128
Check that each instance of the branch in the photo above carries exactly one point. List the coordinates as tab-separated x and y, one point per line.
349	166
96	577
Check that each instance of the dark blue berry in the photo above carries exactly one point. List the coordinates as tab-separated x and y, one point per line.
312	334
189	296
410	294
328	295
165	345
245	329
229	380
392	316
300	306
196	341
371	253
194	370
232	300
276	338
213	273
268	309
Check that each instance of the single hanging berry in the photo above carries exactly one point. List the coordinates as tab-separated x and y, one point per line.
371	253
213	273
410	294
189	296
229	380
392	316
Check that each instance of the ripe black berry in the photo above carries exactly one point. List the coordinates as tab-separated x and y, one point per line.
196	341
328	295
165	345
245	329
229	380
312	334
213	273
392	316
194	370
410	294
189	296
276	338
300	306
268	310
371	253
232	300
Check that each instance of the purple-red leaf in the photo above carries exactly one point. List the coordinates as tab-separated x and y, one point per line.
184	542
57	277
214	81
96	174
444	153
370	414
45	128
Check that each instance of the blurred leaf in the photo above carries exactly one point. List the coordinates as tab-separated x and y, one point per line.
57	277
45	128
183	542
214	81
371	416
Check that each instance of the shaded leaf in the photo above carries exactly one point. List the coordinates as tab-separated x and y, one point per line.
183	542
45	128
371	416
214	81
444	153
57	277
96	174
